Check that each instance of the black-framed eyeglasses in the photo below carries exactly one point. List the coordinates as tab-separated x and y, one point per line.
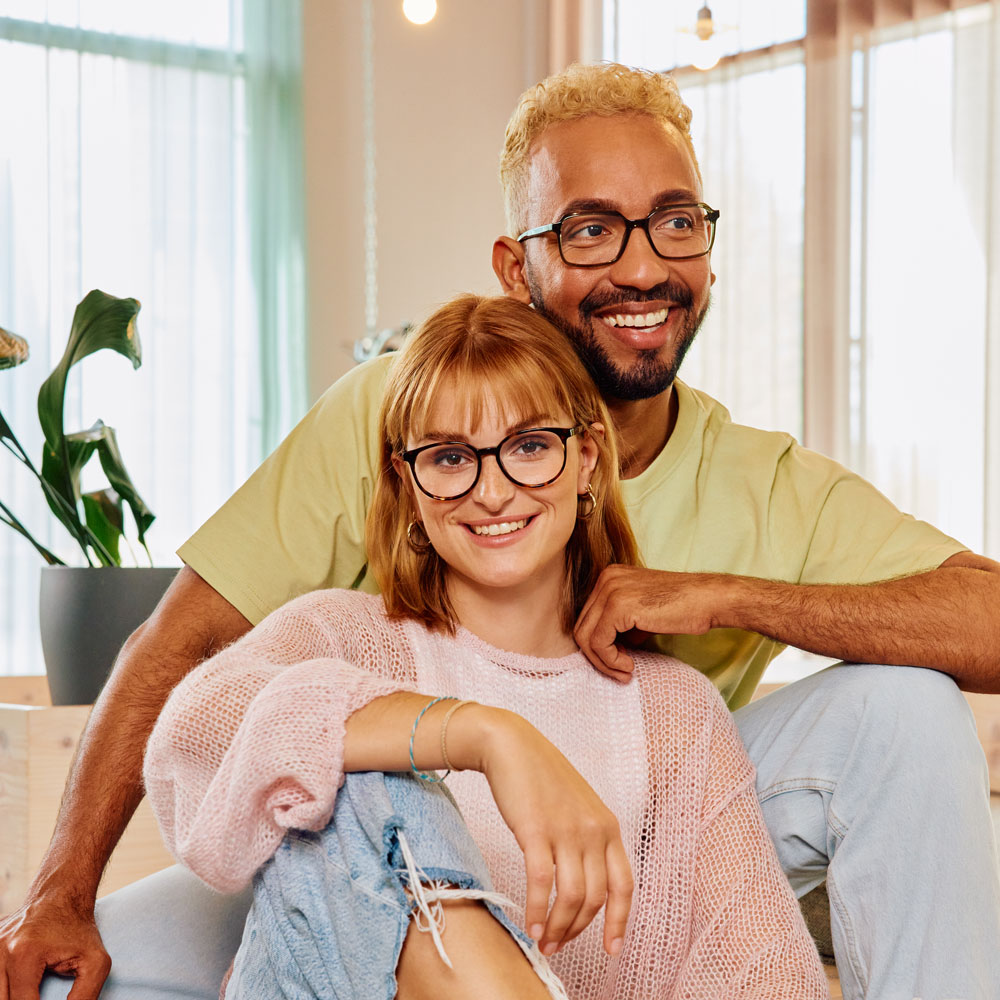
596	239
447	470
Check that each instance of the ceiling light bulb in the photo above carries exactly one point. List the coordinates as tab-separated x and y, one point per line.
419	11
706	53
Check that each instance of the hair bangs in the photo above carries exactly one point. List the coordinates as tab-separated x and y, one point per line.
500	380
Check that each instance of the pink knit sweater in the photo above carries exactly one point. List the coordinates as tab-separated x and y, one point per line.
250	744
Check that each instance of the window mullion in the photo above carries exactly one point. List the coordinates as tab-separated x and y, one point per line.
827	236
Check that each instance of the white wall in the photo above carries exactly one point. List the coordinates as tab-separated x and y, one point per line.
443	93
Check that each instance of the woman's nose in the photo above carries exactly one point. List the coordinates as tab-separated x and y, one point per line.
494	489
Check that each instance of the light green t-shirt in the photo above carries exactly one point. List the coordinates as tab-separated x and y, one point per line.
720	498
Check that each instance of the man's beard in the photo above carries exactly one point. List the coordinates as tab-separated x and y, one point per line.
650	374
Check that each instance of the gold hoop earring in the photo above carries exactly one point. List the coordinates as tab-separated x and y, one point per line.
583	498
419	547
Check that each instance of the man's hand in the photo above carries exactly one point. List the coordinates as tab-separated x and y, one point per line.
46	934
946	618
632	602
55	927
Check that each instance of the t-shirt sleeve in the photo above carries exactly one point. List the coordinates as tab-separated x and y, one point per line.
748	938
297	524
855	534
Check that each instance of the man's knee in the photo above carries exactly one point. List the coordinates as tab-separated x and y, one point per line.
916	720
918	701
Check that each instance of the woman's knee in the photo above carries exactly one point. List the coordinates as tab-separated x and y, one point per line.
487	963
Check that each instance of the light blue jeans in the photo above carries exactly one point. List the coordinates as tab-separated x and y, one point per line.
331	910
869	776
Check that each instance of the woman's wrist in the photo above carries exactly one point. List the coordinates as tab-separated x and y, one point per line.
474	731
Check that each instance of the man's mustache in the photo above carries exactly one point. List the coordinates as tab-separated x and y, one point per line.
669	291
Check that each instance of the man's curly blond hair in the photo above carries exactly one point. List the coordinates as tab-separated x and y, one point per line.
604	89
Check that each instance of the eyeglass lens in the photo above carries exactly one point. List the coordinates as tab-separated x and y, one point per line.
530	458
597	238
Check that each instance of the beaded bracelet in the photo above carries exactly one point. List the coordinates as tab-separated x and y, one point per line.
424	775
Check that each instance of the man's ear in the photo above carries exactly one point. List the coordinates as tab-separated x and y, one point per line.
508	265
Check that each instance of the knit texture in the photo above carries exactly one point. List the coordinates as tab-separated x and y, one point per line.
250	744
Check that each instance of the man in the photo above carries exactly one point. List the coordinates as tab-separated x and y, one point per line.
869	776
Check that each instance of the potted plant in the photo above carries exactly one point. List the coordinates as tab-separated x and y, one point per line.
87	612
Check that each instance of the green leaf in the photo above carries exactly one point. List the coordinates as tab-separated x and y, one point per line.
100	321
7	434
80	446
61	479
7	517
65	476
114	469
103	510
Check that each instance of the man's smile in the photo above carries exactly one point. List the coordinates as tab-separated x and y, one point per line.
636	319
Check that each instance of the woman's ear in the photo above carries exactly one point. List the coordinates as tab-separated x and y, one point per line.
406	486
589	455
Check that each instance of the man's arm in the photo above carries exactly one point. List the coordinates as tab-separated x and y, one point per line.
54	928
947	618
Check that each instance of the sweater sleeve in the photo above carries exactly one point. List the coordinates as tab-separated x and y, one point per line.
250	744
748	938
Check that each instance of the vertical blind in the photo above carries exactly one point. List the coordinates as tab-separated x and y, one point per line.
152	151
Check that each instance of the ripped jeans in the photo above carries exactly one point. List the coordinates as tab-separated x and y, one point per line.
331	910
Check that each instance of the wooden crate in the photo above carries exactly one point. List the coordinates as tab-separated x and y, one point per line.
37	744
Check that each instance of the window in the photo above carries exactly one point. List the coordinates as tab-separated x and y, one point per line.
133	159
749	134
864	316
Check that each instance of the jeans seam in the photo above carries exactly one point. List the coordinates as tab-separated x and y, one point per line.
797	785
836	901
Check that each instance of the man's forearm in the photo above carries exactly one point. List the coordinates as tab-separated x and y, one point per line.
948	619
105	782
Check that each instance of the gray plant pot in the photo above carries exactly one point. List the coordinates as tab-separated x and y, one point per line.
86	614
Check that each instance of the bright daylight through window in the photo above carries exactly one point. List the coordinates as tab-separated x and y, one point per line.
873	333
127	152
901	329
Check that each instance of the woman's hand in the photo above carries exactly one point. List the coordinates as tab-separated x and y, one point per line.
560	823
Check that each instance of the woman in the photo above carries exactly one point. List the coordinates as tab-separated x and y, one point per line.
496	509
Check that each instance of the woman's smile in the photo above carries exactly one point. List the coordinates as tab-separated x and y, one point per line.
496	532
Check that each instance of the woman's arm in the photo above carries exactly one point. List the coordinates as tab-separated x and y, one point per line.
559	822
748	938
254	742
250	743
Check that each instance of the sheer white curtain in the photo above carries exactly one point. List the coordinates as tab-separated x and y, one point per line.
925	370
748	130
128	137
854	156
853	147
